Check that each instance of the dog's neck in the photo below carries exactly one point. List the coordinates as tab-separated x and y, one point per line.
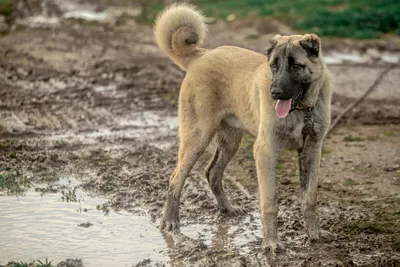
315	92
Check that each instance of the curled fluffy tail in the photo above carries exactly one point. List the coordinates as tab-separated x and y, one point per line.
179	30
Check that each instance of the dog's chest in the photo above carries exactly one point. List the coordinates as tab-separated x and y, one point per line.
296	131
290	133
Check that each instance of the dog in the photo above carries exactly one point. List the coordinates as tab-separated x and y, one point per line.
283	98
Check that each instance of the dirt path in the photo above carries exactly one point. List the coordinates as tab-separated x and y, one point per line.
89	110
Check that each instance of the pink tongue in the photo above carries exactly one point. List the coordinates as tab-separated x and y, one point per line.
282	108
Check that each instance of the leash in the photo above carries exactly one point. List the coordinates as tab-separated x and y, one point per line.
308	128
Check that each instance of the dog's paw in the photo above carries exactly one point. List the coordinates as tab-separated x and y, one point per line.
169	225
232	211
273	247
317	234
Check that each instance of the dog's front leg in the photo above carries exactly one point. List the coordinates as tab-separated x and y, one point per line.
266	154
309	160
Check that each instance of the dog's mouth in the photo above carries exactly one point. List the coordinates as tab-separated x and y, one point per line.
298	96
284	107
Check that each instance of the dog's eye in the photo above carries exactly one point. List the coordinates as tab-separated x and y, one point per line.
274	66
296	66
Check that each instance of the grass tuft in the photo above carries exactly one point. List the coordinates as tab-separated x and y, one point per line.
351	138
38	263
14	182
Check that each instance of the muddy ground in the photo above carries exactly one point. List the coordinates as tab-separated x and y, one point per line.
95	103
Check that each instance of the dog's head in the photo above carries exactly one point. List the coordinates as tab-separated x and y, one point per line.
295	63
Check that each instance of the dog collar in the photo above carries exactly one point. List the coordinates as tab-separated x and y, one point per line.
308	129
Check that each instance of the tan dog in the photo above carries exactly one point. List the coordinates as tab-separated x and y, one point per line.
283	99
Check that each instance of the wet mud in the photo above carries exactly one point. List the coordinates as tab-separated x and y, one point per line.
88	140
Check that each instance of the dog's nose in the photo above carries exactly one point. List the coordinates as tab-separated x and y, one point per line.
276	92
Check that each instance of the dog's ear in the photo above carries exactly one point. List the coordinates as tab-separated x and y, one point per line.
272	43
312	44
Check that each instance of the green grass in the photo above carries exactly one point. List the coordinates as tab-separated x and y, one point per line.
360	19
69	195
44	264
394	132
150	11
19	264
387	222
350	182
351	138
383	221
280	166
326	150
104	208
14	182
6	7
337	18
341	18
50	189
38	263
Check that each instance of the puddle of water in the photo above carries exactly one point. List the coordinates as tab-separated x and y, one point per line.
41	20
332	60
88	15
73	224
107	88
350	57
35	227
390	58
338	58
231	235
125	11
76	10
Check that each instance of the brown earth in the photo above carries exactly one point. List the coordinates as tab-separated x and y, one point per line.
99	101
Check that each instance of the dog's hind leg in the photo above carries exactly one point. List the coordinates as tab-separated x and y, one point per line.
194	138
228	141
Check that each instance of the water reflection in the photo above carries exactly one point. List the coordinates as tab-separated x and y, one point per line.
220	237
61	221
35	227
